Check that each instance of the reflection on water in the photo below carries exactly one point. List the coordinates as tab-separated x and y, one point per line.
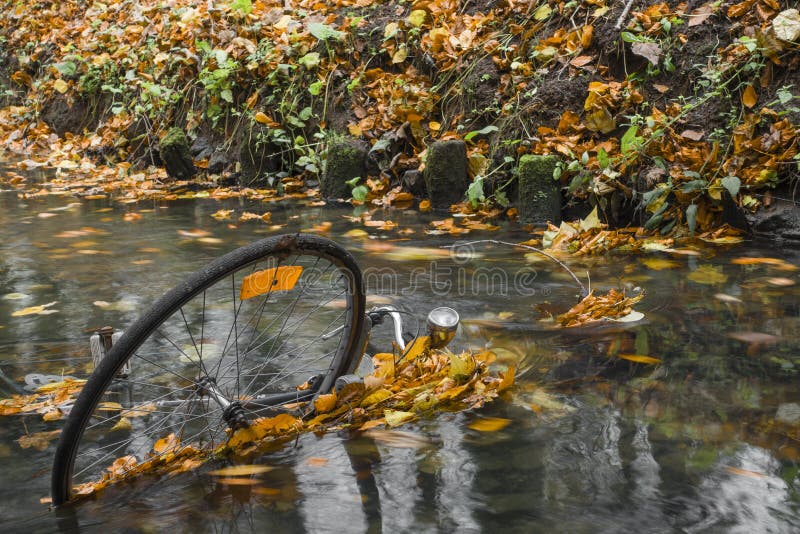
596	443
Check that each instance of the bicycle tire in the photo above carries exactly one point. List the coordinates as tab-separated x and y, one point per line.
143	331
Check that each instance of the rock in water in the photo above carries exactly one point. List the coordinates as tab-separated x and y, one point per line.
446	177
539	198
174	150
346	160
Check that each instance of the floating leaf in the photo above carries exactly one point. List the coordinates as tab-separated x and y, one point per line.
638	358
123	424
240	470
36	310
489	424
708	275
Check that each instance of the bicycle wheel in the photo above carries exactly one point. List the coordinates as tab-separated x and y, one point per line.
274	322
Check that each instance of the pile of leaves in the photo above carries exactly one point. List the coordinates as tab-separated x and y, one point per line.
401	389
612	306
48	400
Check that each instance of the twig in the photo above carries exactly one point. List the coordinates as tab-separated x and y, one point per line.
624	15
584	292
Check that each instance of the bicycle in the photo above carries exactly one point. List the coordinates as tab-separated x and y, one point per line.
269	325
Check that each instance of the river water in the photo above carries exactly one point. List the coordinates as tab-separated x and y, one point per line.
706	441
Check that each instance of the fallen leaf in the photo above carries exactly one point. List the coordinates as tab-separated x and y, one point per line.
240	470
708	275
489	424
396	417
749	96
638	358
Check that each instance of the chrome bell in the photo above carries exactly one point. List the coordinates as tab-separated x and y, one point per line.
442	325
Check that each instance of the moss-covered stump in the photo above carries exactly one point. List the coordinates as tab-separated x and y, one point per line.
539	199
258	156
346	159
174	151
446	177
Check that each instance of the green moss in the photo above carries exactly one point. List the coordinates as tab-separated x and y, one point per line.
539	198
346	159
446	177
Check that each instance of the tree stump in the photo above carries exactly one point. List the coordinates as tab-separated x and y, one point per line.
446	177
539	196
174	151
346	159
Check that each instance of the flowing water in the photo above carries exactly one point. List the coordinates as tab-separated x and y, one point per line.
706	441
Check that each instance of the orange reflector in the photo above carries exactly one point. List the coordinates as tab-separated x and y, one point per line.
275	279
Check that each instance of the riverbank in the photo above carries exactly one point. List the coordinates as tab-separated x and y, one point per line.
675	116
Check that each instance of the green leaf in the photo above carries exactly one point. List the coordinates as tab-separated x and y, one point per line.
502	199
360	193
226	95
629	141
602	159
323	32
310	60
66	68
629	37
475	192
316	88
732	184
482	131
245	7
691	218
354	181
694	185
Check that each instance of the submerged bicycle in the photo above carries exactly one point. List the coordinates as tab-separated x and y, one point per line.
273	323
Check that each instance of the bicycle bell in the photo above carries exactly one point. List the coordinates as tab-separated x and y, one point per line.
442	325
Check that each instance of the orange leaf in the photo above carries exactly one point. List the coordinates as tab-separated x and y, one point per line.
749	97
640	359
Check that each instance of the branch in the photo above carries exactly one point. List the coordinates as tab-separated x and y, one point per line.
624	15
584	291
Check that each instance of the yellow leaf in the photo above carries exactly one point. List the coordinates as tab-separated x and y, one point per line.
240	470
749	96
396	418
658	264
639	358
508	379
167	444
221	215
417	347
123	424
400	54
434	126
390	30
325	403
262	118
542	12
425	205
376	397
356	232
233	481
489	424
61	86
591	221
708	275
52	415
109	407
462	366
354	129
35	310
417	18
38	440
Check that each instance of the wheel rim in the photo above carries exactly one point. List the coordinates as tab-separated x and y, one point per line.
217	346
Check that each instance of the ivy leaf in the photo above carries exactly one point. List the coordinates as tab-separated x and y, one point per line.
360	193
732	184
475	192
